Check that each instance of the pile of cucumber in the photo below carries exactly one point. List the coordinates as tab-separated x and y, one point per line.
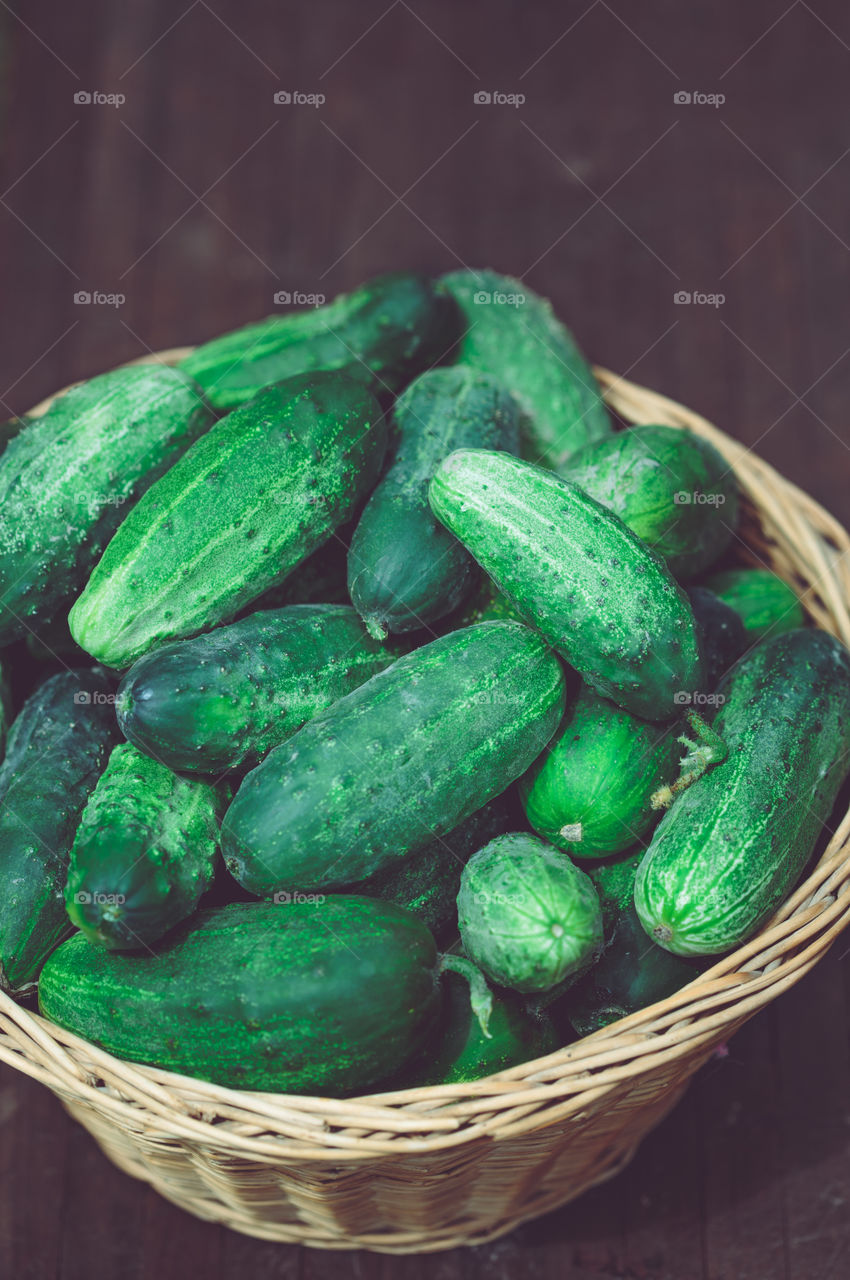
383	714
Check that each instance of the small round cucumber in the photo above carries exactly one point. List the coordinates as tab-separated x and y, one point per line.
675	490
590	791
528	917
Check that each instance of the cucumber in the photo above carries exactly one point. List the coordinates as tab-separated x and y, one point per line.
224	699
577	573
528	917
68	479
427	882
398	762
57	747
405	570
590	792
327	995
766	605
144	853
320	579
243	507
385	332
631	973
461	1051
735	842
525	346
721	632
675	490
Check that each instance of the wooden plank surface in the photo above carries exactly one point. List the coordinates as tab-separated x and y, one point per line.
199	197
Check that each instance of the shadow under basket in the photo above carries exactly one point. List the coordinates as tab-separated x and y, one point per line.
432	1168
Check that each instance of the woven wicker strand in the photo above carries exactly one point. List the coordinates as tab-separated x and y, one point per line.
427	1169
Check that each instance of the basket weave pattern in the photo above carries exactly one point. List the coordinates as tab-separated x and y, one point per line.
431	1168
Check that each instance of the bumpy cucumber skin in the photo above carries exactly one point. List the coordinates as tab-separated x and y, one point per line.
224	699
405	570
631	973
299	997
382	334
57	747
577	573
397	763
722	635
766	605
144	853
528	917
528	349
250	500
427	882
69	478
589	792
673	489
732	846
460	1051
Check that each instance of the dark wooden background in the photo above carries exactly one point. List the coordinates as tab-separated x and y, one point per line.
198	198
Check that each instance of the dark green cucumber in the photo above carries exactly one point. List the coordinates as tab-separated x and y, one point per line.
577	573
766	605
385	332
735	842
674	489
224	699
397	763
460	1050
513	334
57	748
325	996
68	479
590	792
405	570
722	636
427	882
528	917
250	500
632	972
144	853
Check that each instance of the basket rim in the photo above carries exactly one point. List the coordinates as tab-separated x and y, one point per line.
690	1023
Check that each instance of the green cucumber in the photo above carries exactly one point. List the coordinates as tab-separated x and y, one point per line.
590	792
320	996
513	334
144	853
57	747
68	479
460	1050
632	972
385	332
405	570
528	917
674	489
735	842
426	882
577	573
722	635
243	507
766	605
398	762
223	699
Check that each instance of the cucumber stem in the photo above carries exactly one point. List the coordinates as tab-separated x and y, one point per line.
377	629
480	995
709	750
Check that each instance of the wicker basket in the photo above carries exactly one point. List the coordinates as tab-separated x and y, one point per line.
431	1168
